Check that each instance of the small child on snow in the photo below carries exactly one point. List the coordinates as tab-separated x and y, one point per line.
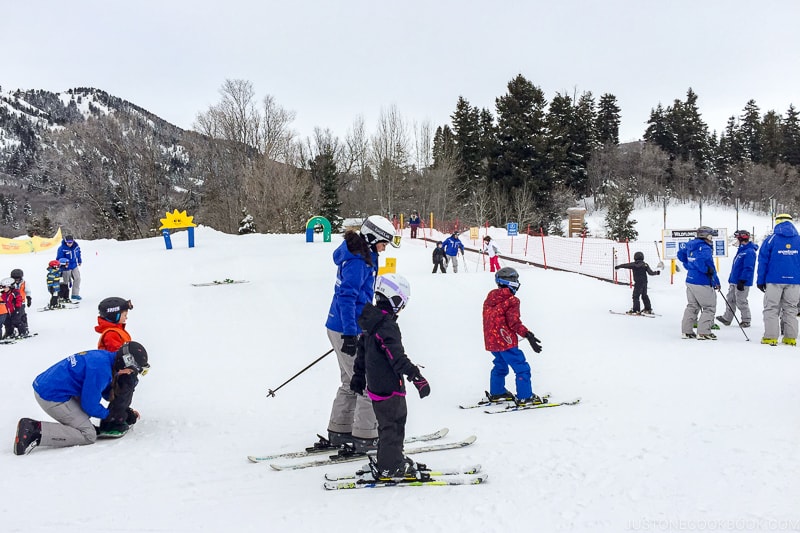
640	271
438	258
53	281
13	301
379	367
501	325
63	285
491	250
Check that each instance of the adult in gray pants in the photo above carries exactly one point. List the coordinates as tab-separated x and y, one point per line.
71	391
779	279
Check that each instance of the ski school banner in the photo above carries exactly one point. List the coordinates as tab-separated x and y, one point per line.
28	246
675	239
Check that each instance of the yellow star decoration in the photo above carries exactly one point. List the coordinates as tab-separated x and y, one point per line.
177	220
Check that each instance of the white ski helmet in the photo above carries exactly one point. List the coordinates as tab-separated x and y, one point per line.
7	282
378	229
394	288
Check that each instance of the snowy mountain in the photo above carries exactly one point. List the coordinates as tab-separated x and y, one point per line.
671	434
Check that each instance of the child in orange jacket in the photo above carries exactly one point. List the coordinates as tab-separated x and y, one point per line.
111	322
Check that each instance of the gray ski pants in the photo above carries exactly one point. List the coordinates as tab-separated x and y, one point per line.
75	427
700	299
780	310
73	276
351	412
452	259
737	300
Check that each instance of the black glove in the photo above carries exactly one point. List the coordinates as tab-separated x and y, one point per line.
616	268
132	416
762	288
349	344
740	285
28	300
658	272
421	384
358	383
535	343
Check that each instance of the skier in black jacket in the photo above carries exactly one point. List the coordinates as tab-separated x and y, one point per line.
640	271
438	258
379	367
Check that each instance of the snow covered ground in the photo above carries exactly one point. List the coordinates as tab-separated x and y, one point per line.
671	435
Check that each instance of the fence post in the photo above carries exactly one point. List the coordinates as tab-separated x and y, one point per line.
544	255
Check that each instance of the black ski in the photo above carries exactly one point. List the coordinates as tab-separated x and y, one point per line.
511	408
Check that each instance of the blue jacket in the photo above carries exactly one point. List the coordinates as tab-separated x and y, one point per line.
698	260
355	287
85	375
452	245
71	253
779	256
744	264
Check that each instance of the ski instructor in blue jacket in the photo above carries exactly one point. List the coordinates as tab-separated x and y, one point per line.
71	276
70	391
779	279
352	419
701	282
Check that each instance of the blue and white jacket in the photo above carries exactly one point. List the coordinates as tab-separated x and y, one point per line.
355	286
84	375
70	253
779	256
698	260
744	264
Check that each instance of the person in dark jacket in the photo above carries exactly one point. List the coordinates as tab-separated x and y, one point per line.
501	326
70	392
701	283
640	272
779	279
70	251
352	419
380	365
740	280
438	259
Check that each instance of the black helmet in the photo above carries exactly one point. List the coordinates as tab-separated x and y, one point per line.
638	256
111	308
132	355
507	277
743	235
17	273
704	232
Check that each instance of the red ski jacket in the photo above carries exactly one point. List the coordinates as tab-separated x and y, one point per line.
501	321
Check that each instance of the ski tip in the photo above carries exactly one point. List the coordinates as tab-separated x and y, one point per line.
470	439
252	458
442	432
276	466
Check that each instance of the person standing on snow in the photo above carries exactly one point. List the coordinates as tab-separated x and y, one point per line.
740	280
779	279
70	251
701	282
70	392
352	419
438	259
414	223
640	271
491	250
501	325
452	245
380	364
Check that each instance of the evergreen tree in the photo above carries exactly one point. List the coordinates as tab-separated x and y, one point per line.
247	224
619	227
659	131
324	171
466	131
771	138
608	120
791	137
750	131
444	146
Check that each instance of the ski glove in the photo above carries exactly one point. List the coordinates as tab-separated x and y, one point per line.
132	416
762	288
349	344
421	384
28	300
658	272
358	383
740	285
535	343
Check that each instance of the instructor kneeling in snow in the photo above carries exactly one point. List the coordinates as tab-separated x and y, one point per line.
71	390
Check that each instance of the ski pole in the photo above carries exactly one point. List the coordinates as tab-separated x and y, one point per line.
734	314
271	392
660	264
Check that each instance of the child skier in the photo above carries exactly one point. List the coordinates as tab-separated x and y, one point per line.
438	258
53	282
501	325
13	302
111	322
640	271
25	296
491	250
63	286
380	365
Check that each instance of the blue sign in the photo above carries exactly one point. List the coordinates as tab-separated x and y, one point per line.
512	228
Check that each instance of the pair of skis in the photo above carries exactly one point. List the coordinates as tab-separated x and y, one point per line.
14	340
226	281
509	405
363	479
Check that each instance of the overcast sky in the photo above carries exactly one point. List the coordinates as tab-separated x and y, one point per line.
331	61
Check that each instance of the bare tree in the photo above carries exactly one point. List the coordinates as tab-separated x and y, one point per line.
390	158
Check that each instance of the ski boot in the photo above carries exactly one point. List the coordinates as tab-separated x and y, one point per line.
29	436
533	400
502	397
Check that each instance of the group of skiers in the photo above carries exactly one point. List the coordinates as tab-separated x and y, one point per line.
447	252
777	276
369	410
